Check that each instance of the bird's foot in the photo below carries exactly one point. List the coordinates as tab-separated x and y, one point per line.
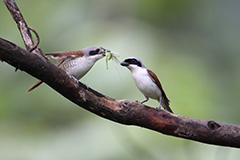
86	86
145	100
74	78
158	108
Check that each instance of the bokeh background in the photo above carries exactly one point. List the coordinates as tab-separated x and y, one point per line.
193	46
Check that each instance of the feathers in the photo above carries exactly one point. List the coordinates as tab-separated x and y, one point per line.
155	79
165	100
64	55
77	53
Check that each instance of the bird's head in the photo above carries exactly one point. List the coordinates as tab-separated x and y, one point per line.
132	63
94	52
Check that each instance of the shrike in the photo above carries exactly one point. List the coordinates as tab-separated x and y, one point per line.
76	63
147	82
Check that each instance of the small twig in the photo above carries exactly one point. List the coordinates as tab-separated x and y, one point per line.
22	26
38	39
24	29
36	44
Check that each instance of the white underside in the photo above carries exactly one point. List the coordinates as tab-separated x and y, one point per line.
145	83
78	67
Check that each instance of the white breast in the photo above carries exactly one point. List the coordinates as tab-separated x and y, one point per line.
145	83
77	67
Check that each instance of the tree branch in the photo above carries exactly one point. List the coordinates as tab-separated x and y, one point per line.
121	111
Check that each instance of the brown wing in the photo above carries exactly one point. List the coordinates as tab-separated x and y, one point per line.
165	100
66	53
62	56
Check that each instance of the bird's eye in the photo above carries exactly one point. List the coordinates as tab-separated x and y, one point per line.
97	50
139	64
94	52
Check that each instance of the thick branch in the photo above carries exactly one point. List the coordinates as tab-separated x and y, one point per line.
121	111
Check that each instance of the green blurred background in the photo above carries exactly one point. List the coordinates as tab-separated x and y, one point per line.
193	46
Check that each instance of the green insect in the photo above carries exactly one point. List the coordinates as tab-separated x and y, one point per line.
110	56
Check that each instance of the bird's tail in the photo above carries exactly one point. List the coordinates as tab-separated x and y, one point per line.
35	85
165	104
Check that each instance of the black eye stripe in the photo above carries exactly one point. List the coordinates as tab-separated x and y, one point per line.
133	61
94	52
139	64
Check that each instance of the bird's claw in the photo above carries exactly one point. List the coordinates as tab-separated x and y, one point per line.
74	79
87	87
158	108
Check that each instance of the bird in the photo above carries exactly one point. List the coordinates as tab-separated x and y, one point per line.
147	82
76	63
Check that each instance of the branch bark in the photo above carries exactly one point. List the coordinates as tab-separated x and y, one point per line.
121	111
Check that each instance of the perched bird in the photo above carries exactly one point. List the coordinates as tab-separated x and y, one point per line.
76	63
147	82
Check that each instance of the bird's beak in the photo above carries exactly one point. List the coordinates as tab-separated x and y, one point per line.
124	63
105	50
103	53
